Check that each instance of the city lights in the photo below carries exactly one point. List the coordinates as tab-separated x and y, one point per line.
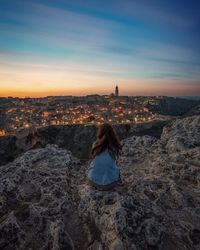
31	113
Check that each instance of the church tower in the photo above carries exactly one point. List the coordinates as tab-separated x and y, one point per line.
116	91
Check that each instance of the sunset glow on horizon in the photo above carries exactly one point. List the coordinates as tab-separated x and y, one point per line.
87	47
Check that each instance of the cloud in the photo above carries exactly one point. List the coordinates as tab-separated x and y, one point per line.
87	43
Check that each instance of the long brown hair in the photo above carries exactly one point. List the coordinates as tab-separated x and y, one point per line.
106	139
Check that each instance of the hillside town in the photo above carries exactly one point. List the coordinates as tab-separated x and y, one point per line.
27	113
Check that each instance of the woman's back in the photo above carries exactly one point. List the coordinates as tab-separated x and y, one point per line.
103	169
103	172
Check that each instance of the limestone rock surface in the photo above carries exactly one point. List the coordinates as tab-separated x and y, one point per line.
46	204
159	205
37	207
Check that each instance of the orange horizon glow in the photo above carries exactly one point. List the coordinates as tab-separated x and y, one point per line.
127	88
22	79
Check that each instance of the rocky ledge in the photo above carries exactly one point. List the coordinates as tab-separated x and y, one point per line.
45	203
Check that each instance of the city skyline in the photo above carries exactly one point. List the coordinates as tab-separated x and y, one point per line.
74	48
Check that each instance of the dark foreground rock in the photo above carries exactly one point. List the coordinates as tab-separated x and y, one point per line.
45	203
159	205
37	201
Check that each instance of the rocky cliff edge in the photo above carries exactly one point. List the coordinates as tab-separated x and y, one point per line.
45	203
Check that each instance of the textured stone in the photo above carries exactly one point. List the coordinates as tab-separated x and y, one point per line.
158	207
45	203
36	199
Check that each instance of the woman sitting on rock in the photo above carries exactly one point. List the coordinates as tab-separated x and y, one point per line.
103	172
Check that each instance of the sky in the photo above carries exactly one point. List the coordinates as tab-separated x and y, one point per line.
80	47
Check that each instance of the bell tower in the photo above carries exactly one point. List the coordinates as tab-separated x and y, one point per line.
116	91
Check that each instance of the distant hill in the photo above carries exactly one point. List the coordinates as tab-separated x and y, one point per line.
191	97
173	106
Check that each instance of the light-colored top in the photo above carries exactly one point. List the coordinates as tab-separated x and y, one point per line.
103	169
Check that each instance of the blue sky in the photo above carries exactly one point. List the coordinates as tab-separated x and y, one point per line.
83	47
